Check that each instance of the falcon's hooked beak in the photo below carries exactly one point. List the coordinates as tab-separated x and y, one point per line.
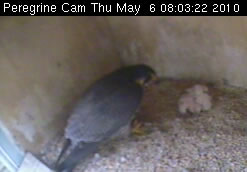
144	83
153	80
140	82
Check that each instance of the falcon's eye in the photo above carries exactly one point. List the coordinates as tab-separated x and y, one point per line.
144	80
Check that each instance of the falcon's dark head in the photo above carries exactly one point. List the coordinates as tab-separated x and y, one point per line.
141	74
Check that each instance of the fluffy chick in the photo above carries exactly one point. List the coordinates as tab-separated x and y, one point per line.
195	100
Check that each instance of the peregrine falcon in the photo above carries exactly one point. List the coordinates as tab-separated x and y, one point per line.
104	109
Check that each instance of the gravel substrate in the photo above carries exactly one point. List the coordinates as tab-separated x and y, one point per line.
213	141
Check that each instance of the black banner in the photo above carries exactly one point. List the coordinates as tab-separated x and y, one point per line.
123	8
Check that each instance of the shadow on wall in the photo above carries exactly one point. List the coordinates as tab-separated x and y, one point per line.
45	64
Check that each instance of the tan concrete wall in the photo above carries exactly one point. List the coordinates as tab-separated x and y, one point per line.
45	64
209	48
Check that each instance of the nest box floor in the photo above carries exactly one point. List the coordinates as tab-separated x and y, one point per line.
212	141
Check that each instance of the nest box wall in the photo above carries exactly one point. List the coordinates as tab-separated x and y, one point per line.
45	63
209	48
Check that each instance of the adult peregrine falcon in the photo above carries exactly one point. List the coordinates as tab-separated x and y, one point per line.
105	108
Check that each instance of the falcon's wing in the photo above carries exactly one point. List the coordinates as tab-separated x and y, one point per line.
95	120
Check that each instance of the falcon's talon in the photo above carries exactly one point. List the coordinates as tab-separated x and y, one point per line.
138	128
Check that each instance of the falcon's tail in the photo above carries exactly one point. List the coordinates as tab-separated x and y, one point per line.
65	148
78	154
